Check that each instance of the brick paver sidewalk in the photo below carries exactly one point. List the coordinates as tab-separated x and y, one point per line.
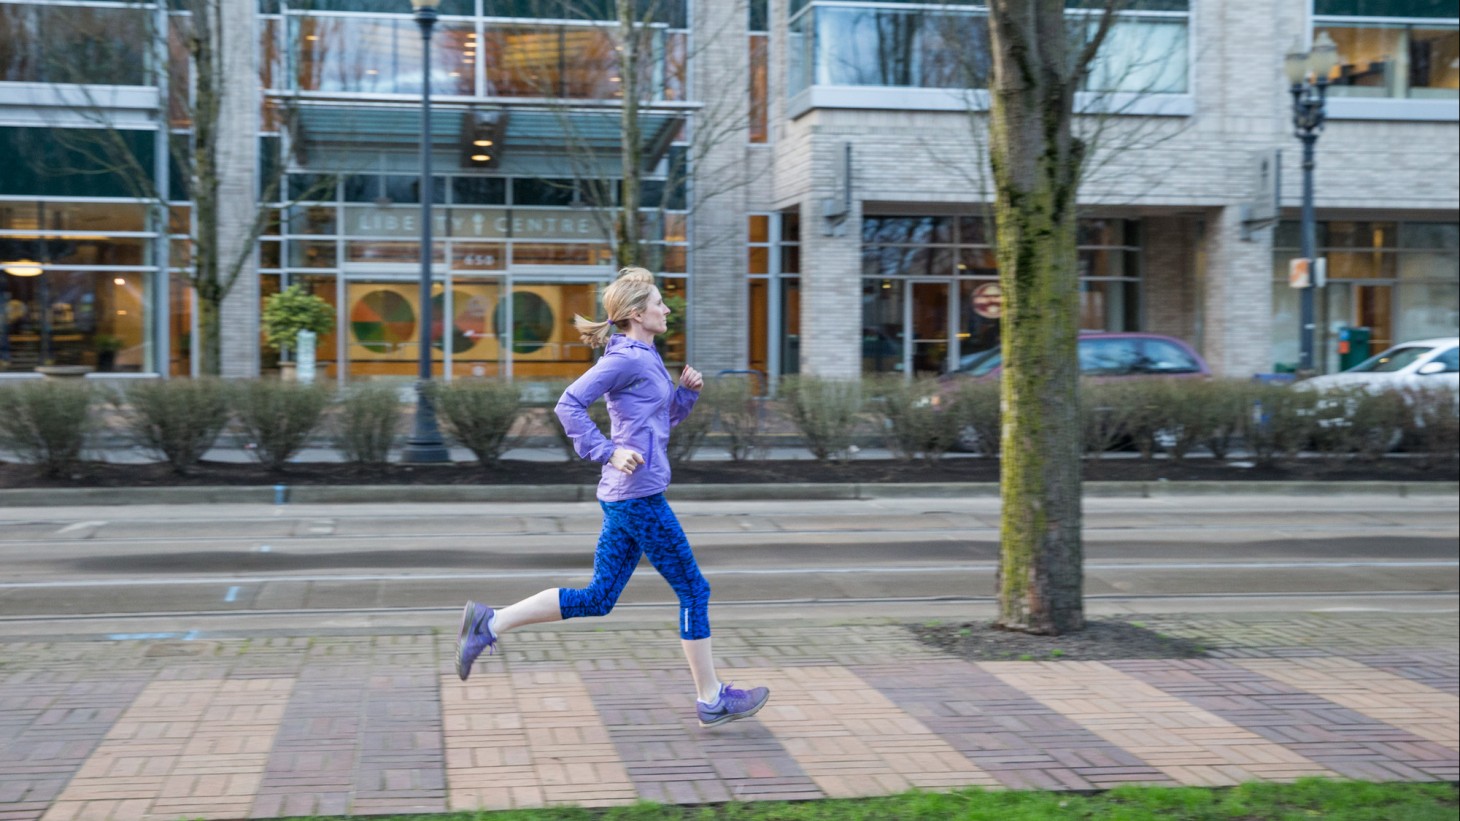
224	726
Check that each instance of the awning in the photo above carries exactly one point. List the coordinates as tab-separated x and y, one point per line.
516	131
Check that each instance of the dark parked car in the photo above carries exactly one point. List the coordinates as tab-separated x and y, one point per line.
1103	355
1107	355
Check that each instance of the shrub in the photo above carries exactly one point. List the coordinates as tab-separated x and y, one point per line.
1103	424
1182	423
1434	425
739	414
1354	421
178	419
1223	404
279	417
368	421
1280	422
825	412
977	405
1149	416
46	423
916	424
478	414
689	434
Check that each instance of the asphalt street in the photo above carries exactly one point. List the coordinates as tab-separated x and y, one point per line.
75	570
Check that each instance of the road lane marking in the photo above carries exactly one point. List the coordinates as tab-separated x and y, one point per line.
72	528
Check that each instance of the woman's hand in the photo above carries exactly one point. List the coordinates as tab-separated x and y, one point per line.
691	379
626	460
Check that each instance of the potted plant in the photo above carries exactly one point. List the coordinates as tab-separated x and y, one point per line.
106	347
289	312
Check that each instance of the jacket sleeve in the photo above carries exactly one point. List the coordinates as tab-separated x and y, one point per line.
682	403
610	373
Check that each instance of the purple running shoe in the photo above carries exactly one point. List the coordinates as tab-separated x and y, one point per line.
475	637
732	704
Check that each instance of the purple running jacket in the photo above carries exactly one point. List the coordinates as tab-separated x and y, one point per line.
643	405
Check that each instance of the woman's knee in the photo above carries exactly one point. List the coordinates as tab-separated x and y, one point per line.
586	603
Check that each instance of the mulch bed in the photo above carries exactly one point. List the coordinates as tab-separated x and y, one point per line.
1101	640
512	472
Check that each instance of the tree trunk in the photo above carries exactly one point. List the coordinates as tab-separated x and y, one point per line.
628	251
1035	162
207	277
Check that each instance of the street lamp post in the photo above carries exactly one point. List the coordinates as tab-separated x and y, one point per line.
1308	77
425	444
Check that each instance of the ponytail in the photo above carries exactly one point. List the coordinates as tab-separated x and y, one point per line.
594	334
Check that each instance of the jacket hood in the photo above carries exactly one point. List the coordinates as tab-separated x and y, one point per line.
620	342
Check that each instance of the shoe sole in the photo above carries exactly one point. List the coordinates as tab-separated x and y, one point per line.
467	614
737	716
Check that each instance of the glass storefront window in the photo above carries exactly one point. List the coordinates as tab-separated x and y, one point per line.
56	43
578	62
882	326
895	46
380	56
543	253
1395	60
96	319
900	47
312	254
381	251
1396	279
1141	56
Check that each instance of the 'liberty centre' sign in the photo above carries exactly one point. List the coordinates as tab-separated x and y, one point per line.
403	222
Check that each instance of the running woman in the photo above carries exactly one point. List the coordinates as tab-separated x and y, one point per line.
643	406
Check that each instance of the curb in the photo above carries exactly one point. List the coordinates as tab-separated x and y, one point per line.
791	491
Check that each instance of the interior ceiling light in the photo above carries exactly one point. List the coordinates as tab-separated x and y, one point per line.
23	268
481	158
119	281
481	143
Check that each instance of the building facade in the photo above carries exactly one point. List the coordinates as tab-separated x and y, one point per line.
814	187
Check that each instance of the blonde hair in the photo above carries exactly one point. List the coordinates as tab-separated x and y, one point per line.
628	295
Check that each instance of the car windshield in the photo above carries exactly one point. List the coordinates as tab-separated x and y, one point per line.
1394	359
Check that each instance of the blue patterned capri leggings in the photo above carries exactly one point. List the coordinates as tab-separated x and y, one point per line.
632	528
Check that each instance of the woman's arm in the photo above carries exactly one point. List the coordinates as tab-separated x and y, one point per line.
609	373
683	401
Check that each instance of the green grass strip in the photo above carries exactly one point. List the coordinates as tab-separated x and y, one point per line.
1307	799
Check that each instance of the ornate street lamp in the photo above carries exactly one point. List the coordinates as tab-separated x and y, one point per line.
425	444
1308	73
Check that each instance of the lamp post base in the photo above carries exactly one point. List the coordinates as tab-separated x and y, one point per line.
425	446
424	453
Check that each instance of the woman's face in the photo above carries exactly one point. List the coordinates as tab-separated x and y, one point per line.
655	316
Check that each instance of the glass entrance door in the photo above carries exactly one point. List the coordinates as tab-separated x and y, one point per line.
1350	304
930	323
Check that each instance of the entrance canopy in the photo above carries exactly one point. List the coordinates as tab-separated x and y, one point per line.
506	138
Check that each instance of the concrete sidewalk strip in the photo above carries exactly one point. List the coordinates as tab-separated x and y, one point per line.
355	722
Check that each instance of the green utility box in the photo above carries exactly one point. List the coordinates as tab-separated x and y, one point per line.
1353	347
